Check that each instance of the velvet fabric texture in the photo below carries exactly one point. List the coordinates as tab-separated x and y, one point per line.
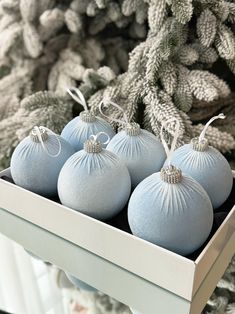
33	169
143	154
77	131
80	284
97	184
177	217
209	168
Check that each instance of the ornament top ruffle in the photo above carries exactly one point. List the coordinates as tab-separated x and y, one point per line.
38	159
78	130
206	165
140	150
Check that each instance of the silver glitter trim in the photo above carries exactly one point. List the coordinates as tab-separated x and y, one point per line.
171	174
93	147
199	146
87	116
132	129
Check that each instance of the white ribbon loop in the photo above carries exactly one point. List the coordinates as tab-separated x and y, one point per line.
77	95
96	136
203	133
38	133
170	151
107	102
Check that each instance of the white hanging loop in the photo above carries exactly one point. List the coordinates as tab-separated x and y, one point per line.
203	133
106	102
38	133
96	136
77	95
170	151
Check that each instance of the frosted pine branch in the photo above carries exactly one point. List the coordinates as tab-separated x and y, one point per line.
156	14
230	309
73	21
114	11
32	40
200	87
9	5
225	43
219	84
92	8
231	16
168	77
206	27
79	6
9	38
52	16
101	4
231	64
182	10
221	10
129	7
162	110
28	9
183	96
187	55
207	55
51	21
141	13
72	44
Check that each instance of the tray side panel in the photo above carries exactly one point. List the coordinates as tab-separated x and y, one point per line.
213	276
100	273
213	249
135	255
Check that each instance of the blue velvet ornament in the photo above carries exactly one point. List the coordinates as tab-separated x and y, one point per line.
37	160
80	284
172	210
206	165
94	181
78	130
139	149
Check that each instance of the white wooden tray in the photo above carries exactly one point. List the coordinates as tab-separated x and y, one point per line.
136	272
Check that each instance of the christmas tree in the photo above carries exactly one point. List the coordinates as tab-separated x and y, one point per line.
156	58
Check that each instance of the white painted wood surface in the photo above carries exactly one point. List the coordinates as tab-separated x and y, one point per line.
129	269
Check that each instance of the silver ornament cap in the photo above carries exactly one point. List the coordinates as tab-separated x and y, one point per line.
199	146
171	174
132	129
34	135
93	147
87	116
